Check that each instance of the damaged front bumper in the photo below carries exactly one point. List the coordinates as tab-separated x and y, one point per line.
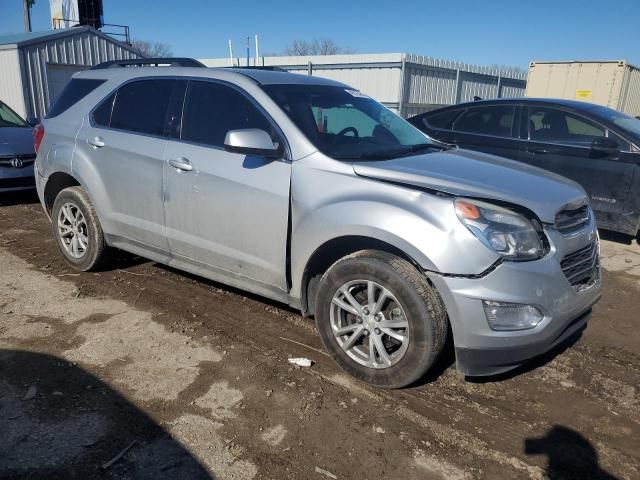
543	284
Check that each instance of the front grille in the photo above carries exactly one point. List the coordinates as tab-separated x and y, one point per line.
27	159
572	220
581	266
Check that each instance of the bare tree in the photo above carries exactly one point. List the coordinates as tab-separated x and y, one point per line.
317	46
509	68
152	49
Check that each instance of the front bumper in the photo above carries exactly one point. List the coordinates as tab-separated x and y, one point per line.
482	351
13	179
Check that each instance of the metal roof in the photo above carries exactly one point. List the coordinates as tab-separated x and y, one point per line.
24	37
28	38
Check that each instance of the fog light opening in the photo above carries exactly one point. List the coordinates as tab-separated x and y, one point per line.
511	316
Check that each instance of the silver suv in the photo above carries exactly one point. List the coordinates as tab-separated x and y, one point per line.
308	192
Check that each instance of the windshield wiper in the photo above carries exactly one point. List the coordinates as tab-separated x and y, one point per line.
389	154
417	148
365	156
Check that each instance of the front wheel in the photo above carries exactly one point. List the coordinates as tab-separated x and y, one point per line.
380	319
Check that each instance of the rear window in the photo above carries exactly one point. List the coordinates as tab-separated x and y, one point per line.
76	90
141	106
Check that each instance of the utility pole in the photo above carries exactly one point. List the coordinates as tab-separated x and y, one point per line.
26	13
257	52
248	52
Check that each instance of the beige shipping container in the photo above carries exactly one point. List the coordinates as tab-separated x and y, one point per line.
614	84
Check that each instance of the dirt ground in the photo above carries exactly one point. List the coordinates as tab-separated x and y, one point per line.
143	372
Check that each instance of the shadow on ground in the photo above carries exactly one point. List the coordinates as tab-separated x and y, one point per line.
58	421
570	456
619	237
23	197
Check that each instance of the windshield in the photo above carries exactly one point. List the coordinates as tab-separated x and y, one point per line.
346	124
9	118
629	124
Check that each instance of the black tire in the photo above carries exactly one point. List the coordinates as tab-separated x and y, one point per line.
97	252
423	309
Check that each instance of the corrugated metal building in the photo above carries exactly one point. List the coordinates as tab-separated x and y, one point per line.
407	84
35	66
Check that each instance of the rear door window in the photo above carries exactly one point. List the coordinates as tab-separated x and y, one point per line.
76	90
211	110
141	106
495	120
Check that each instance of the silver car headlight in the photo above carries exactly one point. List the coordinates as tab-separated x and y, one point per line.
506	232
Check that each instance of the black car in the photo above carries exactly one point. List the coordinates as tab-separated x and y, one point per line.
596	146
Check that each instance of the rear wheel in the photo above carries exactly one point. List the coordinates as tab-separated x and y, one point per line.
380	319
77	230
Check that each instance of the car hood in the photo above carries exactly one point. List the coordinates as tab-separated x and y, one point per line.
16	141
479	175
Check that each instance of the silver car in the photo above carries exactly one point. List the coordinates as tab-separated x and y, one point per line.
308	192
16	151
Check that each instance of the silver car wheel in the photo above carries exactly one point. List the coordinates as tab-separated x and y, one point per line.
369	324
72	230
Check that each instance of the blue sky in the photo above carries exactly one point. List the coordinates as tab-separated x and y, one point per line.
482	32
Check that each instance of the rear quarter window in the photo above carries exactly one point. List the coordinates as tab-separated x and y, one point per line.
102	113
76	90
441	120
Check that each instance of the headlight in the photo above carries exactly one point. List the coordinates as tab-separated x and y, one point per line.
506	232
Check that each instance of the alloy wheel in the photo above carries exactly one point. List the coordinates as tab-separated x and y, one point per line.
72	230
369	324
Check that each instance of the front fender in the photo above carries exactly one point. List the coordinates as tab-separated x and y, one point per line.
328	204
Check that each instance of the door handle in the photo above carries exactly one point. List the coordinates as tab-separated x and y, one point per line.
537	151
97	142
181	164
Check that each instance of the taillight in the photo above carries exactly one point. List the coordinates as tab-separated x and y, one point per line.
38	135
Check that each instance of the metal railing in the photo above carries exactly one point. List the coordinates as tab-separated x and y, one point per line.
60	23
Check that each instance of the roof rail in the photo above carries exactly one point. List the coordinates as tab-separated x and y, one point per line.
141	62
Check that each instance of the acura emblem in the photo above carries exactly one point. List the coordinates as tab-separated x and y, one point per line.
16	162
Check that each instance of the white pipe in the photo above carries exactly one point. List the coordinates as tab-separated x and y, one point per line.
231	52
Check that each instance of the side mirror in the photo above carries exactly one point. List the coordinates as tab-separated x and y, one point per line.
605	145
33	121
252	141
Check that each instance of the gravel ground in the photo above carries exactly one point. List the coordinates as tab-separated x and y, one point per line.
144	372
